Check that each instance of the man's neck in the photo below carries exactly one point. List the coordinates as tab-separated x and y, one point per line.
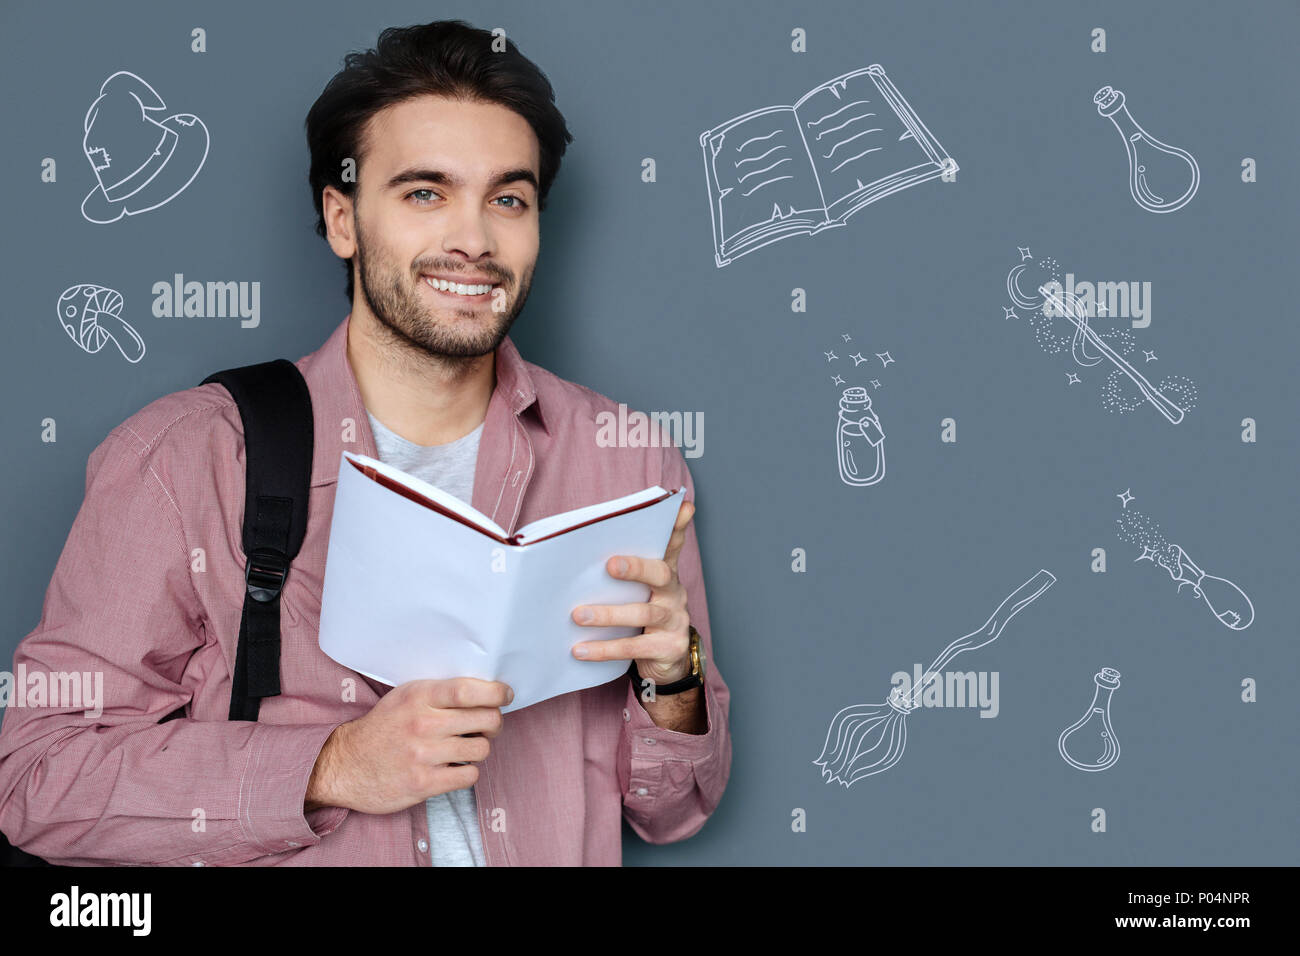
415	395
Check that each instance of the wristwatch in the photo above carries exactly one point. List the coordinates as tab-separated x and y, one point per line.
694	679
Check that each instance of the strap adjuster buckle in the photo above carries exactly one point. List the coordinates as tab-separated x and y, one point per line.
265	573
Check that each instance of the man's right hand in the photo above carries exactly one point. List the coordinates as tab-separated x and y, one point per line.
405	750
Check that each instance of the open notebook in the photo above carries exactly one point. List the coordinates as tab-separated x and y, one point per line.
779	171
418	584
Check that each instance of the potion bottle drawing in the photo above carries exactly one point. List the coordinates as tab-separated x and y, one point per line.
1090	743
859	439
1223	598
1161	177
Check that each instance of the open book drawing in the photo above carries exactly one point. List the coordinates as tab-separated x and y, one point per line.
784	170
418	584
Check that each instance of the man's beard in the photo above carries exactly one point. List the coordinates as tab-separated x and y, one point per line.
401	309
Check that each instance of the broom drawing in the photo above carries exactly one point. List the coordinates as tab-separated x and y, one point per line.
864	739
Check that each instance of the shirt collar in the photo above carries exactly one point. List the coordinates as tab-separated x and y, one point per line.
339	412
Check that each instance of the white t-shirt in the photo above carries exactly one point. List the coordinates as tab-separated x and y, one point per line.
454	836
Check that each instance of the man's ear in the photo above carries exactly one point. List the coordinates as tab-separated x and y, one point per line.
340	222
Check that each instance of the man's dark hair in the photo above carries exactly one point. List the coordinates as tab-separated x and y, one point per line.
446	58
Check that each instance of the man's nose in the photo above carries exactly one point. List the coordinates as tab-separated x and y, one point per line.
467	231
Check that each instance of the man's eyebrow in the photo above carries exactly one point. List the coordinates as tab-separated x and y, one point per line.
441	178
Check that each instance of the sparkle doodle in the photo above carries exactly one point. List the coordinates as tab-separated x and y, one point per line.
1060	320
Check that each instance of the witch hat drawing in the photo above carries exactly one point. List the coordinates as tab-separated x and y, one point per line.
141	159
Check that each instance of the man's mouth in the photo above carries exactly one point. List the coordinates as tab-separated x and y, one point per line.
462	290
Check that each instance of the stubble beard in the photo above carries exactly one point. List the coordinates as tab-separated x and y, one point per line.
400	308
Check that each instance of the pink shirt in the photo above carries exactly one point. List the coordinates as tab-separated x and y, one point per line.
149	588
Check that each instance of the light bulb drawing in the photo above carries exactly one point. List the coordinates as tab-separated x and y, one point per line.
859	439
1161	178
865	739
1224	599
1034	285
1090	742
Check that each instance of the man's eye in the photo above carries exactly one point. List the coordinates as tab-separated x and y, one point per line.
516	201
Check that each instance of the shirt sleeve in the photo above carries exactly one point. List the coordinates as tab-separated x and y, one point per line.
672	781
84	787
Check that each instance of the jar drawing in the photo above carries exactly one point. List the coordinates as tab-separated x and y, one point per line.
859	439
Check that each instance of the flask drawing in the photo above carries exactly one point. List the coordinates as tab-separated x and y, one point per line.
1090	743
859	439
1161	177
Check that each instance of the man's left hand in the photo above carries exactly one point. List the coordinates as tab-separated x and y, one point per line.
662	650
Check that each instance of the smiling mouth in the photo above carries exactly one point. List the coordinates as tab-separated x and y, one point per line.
461	290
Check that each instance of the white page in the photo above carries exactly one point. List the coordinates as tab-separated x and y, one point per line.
410	593
450	502
529	532
544	526
560	573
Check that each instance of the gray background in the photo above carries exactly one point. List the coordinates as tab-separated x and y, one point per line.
628	301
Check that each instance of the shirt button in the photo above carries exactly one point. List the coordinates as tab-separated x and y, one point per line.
649	740
626	715
197	863
641	791
423	845
291	843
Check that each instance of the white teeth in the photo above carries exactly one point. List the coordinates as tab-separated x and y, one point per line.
457	287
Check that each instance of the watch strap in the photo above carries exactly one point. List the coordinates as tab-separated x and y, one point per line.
690	681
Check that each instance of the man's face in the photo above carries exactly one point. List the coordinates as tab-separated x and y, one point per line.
432	202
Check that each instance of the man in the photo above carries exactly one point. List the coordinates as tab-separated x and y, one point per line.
454	147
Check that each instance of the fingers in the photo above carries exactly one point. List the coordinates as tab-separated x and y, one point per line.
657	616
473	720
466	692
457	778
467	750
644	647
461	752
685	514
651	571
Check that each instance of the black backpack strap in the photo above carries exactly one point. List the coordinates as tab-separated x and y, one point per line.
275	407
